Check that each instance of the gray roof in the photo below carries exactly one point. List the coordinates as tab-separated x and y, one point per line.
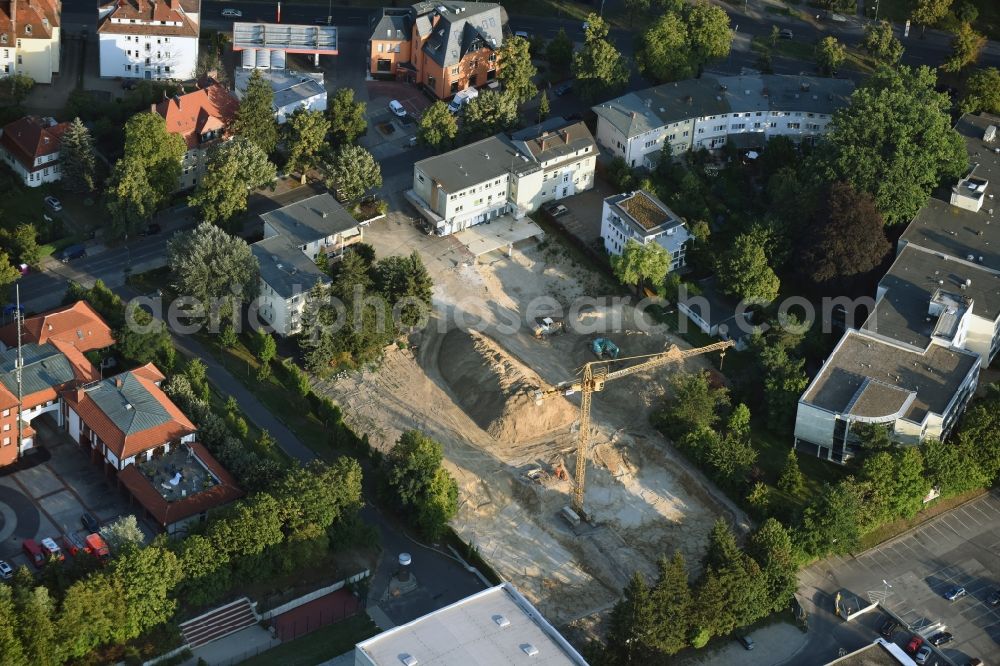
472	164
290	87
462	27
393	23
302	38
131	407
958	232
44	367
717	308
553	139
919	276
639	112
286	268
311	219
844	384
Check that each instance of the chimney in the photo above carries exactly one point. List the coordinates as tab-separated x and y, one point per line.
565	136
279	13
79	393
118	382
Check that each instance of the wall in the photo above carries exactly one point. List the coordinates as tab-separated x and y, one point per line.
980	336
314	595
273	309
180	54
37	58
814	425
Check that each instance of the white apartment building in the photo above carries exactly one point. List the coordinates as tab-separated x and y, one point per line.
294	238
504	175
711	111
146	39
914	364
30	147
30	36
641	217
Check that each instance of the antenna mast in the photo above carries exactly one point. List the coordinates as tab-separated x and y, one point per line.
17	369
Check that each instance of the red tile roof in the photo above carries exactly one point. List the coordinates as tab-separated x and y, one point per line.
171	11
28	19
77	324
193	114
31	137
167	513
125	445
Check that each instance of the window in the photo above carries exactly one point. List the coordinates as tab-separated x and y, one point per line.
738	126
420	177
6	427
454	71
794	125
6	441
381	47
128	68
6	412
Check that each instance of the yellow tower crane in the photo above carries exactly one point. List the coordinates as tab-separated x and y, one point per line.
595	375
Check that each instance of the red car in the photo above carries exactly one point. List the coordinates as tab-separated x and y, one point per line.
914	644
34	553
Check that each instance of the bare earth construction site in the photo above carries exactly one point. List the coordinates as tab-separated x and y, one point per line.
513	459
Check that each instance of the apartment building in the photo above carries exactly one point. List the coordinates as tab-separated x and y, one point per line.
202	118
914	364
674	118
30	37
147	39
641	217
30	147
295	238
443	46
504	175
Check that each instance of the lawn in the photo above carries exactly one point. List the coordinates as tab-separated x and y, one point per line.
320	645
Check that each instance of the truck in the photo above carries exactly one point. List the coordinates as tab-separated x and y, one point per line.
546	326
97	546
462	98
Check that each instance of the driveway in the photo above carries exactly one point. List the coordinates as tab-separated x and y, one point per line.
960	547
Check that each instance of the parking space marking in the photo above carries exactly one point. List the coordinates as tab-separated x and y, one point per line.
956	517
979	508
970	517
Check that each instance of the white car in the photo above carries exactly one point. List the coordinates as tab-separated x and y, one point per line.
397	108
232	13
6	571
53	203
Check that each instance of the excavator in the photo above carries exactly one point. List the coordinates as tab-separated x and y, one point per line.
595	375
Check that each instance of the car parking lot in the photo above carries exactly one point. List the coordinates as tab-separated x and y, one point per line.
960	548
47	499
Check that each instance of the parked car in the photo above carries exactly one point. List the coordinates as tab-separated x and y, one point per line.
786	34
397	108
52	549
745	641
72	252
923	654
73	544
53	203
941	638
955	593
34	552
151	229
6	571
90	523
232	13
556	210
522	34
322	21
563	89
130	84
889	628
994	598
914	644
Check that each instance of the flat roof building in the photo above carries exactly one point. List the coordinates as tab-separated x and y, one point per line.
495	627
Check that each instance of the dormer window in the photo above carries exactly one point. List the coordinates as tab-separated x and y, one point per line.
27	29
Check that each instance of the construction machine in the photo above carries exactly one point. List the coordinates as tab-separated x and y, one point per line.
595	375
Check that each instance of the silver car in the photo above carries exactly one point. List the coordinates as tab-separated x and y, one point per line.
6	571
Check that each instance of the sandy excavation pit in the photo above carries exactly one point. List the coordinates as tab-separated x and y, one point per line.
470	392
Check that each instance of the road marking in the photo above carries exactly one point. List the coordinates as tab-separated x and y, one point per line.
977	521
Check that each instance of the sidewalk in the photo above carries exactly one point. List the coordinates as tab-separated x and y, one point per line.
234	648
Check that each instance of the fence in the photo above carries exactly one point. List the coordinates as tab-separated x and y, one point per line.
292	625
312	596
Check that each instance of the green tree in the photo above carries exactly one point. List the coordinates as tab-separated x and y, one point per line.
22	244
123	534
543	107
966	45
437	127
234	169
559	52
743	270
600	70
315	497
488	113
982	92
214	268
979	432
347	117
265	348
255	118
148	576
894	141
693	404
11	650
832	522
418	482
672	603
631	625
91	614
664	52
929	12
791	480
847	239
143	339
18	86
305	136
640	263
759	498
406	285
127	202
881	43
784	381
708	31
967	12
771	546
952	467
636	7
36	628
353	173
830	55
734	453
873	437
77	158
516	71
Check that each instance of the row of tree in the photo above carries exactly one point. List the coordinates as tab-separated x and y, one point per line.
681	39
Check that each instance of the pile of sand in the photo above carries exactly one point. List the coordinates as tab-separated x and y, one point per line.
496	390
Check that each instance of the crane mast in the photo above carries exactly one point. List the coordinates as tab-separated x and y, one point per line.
595	375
